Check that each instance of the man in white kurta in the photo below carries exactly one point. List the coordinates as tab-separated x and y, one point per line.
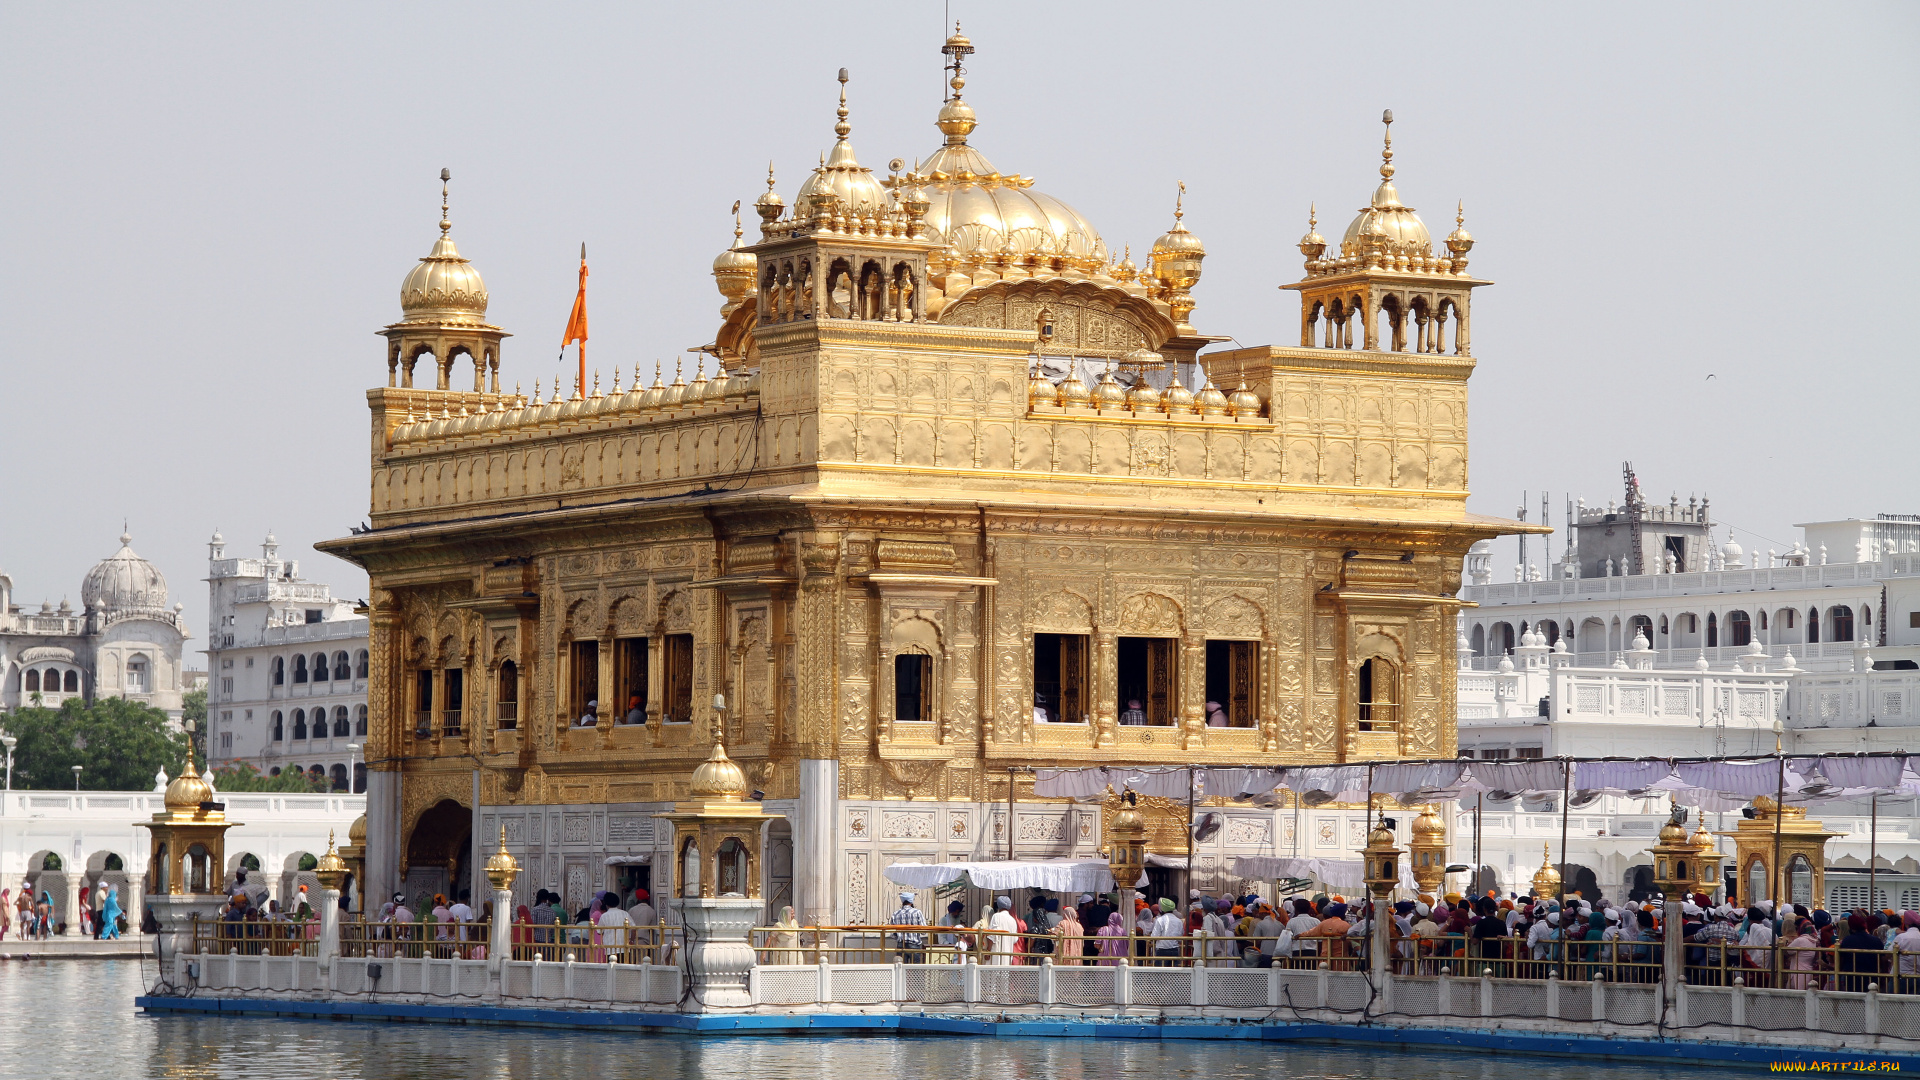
1002	944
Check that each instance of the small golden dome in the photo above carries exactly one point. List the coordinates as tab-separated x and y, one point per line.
1210	401
1546	880
718	777
502	868
330	862
1313	244
188	791
1429	824
1128	820
769	205
676	393
1108	394
1040	389
357	832
1672	834
1178	241
841	176
1460	241
1143	397
655	393
1072	390
1244	402
697	389
1701	838
1385	226
1380	837
1177	399
733	269
444	286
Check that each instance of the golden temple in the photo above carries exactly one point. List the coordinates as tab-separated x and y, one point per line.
960	494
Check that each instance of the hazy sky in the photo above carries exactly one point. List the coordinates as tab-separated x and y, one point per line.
206	212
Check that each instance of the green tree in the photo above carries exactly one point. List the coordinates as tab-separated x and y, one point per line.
193	717
118	744
242	776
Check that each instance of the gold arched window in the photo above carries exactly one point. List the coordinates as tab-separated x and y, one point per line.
1379	704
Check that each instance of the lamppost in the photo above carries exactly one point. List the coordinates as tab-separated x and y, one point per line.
8	741
353	775
76	776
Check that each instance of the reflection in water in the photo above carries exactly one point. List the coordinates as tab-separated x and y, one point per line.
75	1019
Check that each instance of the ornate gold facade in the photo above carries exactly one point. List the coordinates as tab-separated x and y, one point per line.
879	506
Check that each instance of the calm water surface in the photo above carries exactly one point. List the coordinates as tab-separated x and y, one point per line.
61	1019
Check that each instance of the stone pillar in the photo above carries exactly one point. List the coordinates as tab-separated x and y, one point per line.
718	952
175	916
71	913
329	925
1379	956
500	934
1673	951
136	903
813	847
383	837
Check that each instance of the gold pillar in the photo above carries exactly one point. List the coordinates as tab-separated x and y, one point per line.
1429	850
1802	843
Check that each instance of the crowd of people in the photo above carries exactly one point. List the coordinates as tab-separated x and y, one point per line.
1516	937
37	919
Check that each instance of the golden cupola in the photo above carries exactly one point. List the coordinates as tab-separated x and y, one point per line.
444	287
986	219
188	791
718	777
1176	263
733	269
1386	227
840	185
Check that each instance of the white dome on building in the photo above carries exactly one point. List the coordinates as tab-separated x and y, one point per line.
124	582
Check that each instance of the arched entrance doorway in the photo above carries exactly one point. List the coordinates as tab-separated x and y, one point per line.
437	852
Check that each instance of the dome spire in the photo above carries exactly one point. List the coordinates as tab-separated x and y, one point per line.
446	223
956	120
1386	152
840	126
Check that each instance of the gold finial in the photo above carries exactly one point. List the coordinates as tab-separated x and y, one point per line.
1179	213
840	126
596	382
1460	213
1313	216
445	222
536	391
1386	153
677	361
616	378
656	373
956	49
736	221
769	175
516	391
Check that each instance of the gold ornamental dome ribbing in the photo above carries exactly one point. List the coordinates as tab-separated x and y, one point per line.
1385	225
718	777
357	832
445	287
1429	824
733	269
188	791
840	176
982	215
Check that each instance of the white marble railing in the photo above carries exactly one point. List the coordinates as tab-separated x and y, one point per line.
1715	581
525	982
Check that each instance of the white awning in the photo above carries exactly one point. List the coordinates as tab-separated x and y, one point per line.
1052	875
630	860
1333	873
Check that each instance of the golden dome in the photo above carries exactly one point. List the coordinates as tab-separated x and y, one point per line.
1040	389
1380	837
1143	397
445	287
1108	394
1385	226
1177	240
1244	402
1072	390
718	777
1177	399
330	862
656	393
1429	824
841	176
733	269
1701	838
677	392
501	867
1546	880
1210	401
1460	241
188	791
769	205
1672	834
357	832
1313	244
977	213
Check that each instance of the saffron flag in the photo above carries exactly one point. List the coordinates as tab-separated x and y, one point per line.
577	322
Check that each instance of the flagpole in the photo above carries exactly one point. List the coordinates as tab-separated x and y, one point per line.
580	387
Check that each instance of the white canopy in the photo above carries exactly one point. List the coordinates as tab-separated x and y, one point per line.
1052	875
1333	873
642	859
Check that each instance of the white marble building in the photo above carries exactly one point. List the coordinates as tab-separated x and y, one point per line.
1697	663
95	835
287	667
125	641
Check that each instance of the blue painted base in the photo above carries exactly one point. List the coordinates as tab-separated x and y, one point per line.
1378	1037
